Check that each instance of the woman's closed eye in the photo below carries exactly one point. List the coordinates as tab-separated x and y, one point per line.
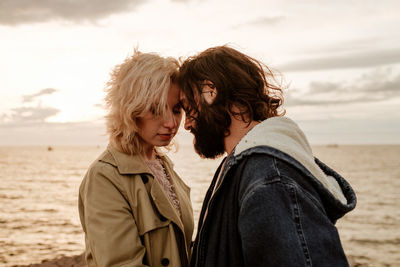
177	109
153	109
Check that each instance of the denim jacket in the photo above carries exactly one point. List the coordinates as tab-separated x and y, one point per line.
268	209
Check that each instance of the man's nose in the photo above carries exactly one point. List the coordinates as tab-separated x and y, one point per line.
188	123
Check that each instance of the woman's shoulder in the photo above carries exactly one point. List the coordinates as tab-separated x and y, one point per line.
101	168
103	162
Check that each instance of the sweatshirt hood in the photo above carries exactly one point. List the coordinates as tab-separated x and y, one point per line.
283	134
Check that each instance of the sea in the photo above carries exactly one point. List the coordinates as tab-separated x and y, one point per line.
39	217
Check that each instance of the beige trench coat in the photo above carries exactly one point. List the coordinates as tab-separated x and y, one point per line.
127	217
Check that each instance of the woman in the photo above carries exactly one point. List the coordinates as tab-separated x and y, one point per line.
134	209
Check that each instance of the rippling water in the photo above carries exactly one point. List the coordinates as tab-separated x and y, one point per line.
38	199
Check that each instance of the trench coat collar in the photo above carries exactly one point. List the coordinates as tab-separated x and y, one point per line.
129	164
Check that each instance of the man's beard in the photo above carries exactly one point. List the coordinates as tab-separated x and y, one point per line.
210	132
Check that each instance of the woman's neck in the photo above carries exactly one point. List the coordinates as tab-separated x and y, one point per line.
149	153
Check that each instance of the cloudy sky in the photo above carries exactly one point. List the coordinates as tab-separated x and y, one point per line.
340	60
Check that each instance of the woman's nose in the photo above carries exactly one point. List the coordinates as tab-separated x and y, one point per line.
170	120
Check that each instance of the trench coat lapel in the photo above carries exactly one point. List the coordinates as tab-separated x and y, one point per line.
164	205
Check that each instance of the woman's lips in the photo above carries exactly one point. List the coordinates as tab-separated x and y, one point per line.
166	136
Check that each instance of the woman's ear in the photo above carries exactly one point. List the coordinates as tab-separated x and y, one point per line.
209	91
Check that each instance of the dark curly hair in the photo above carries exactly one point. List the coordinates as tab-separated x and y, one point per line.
241	81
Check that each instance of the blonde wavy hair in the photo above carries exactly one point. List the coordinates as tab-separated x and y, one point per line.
138	85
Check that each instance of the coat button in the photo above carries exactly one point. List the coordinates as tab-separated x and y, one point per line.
165	262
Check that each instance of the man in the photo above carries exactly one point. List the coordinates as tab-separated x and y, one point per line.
271	203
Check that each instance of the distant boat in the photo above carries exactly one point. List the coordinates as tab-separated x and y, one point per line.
333	145
49	148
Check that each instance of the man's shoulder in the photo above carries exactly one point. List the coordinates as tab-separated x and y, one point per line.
268	160
261	166
255	168
257	160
